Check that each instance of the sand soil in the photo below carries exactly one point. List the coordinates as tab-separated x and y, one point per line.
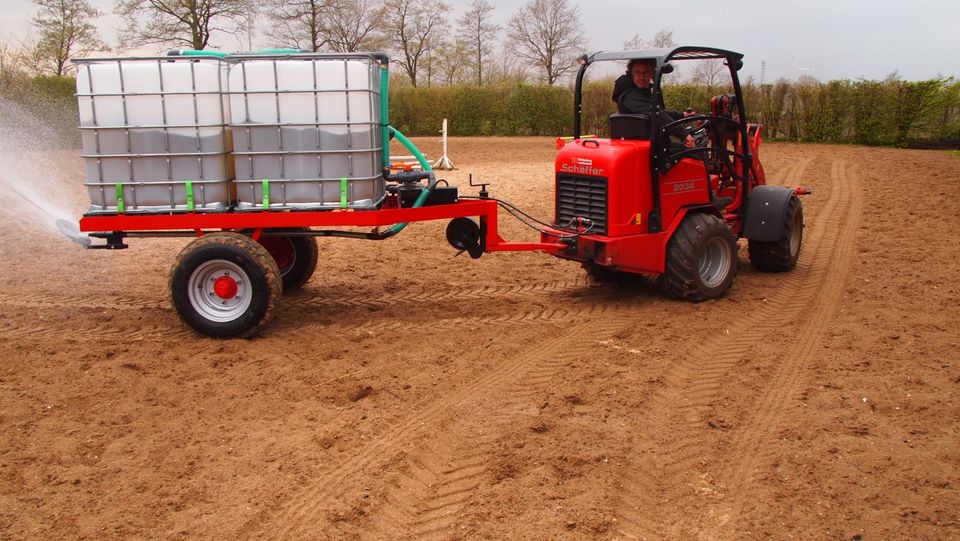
404	393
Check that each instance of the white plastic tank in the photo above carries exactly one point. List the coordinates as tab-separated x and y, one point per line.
154	133
306	131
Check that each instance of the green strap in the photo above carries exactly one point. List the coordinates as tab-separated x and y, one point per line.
266	194
188	187
343	192
121	207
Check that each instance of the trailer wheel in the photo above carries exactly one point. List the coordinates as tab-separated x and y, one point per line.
781	255
225	285
701	259
296	257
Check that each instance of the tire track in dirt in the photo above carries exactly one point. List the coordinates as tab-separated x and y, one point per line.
427	502
100	302
82	330
394	322
533	366
85	329
312	300
694	381
786	384
448	475
424	296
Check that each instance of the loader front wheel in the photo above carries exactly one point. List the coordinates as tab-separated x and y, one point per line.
701	259
225	285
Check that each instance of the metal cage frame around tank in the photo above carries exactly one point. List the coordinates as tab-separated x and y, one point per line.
250	189
194	199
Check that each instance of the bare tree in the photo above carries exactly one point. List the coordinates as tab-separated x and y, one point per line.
353	24
663	39
505	69
452	56
546	33
179	22
412	27
10	66
299	23
709	73
64	30
250	21
336	25
477	32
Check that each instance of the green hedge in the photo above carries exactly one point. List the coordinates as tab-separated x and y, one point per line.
893	113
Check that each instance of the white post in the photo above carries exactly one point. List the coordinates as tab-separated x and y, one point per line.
443	162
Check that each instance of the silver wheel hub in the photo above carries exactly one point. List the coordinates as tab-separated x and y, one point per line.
795	230
220	290
714	262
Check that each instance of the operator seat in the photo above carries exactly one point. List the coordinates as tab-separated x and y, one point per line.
634	127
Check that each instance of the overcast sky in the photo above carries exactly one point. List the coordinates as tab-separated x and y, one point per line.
826	39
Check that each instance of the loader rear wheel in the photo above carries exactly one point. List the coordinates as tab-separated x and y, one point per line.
701	259
781	255
296	258
225	285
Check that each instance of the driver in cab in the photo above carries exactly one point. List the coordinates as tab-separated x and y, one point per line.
633	95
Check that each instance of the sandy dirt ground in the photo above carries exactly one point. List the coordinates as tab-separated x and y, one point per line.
408	394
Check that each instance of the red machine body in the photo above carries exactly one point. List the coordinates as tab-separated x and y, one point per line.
605	185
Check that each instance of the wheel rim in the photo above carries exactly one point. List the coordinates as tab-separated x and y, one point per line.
714	262
220	290
795	231
282	251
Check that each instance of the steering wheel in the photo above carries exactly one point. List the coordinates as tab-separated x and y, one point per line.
701	134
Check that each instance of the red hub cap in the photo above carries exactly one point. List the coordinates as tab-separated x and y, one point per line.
225	287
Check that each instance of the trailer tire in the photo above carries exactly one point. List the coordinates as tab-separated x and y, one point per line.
781	255
225	285
701	259
296	257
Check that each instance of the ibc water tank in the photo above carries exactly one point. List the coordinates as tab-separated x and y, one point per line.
154	134
306	131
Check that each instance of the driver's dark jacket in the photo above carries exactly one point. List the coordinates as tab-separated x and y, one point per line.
633	100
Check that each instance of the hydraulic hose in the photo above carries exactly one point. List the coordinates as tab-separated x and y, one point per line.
385	114
424	194
221	54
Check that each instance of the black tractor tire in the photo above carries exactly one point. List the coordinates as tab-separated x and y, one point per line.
701	259
781	255
296	257
225	285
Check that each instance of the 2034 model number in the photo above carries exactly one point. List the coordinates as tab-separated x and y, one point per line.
684	187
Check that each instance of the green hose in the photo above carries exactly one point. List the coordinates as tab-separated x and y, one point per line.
195	52
221	54
385	114
412	148
425	193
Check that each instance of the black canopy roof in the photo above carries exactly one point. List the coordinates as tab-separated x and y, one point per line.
686	52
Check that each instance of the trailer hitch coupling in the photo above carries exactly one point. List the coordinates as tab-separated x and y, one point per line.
464	235
114	241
